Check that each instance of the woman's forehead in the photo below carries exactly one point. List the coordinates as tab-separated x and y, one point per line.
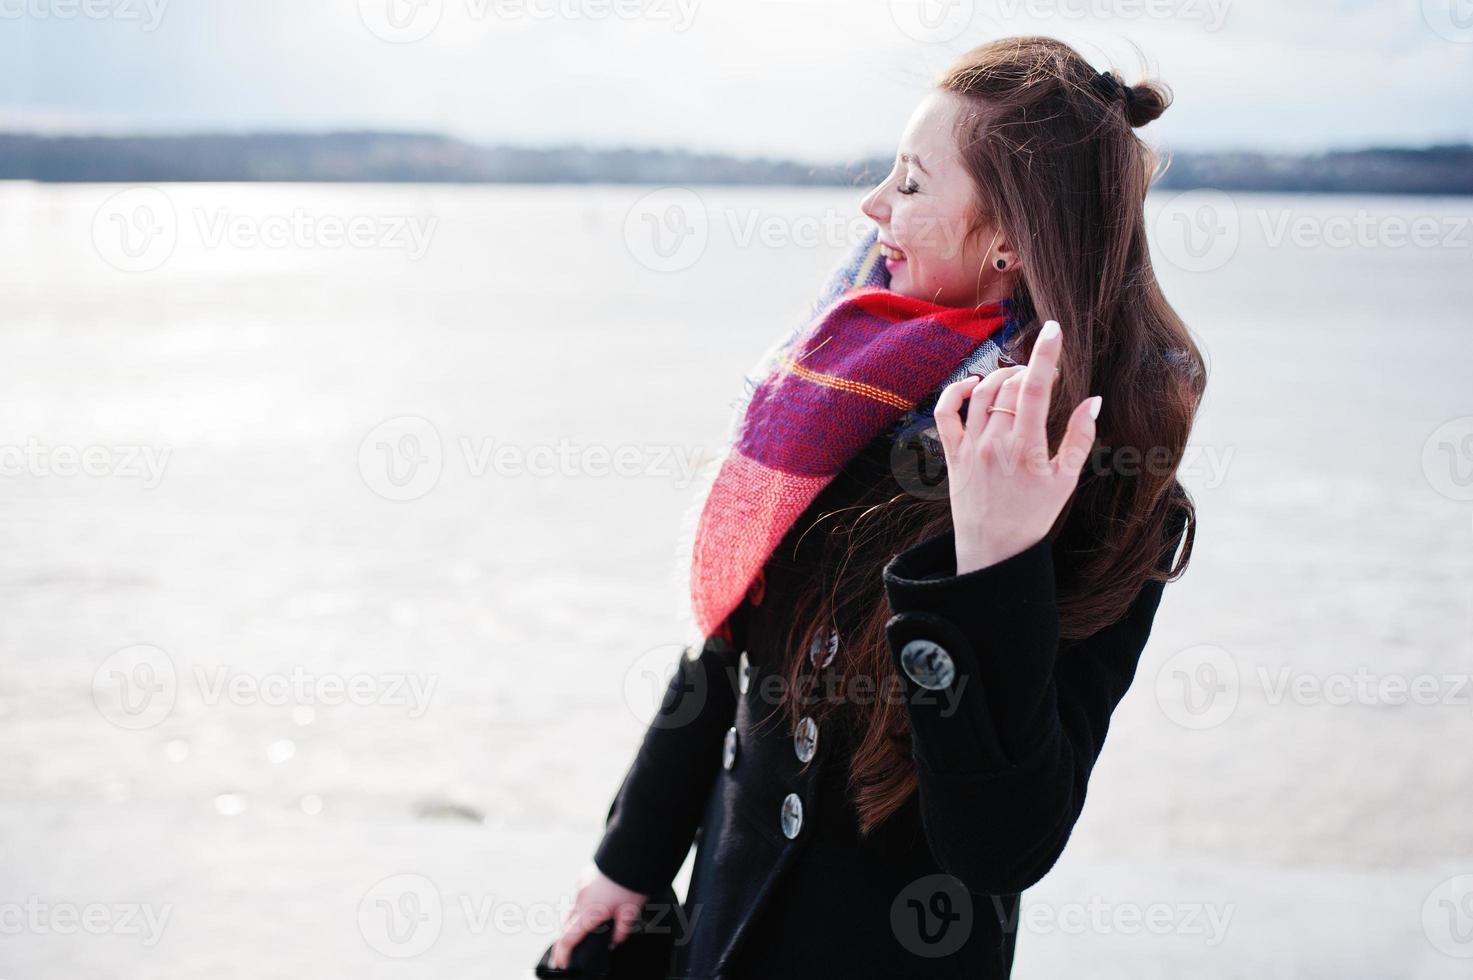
930	134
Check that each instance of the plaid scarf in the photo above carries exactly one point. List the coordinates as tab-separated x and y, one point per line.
867	362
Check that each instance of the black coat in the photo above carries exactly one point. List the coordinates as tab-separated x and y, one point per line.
1003	750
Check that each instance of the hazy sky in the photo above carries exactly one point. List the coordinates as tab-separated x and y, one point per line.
809	79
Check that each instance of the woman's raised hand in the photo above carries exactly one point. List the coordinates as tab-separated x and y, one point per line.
597	899
1005	490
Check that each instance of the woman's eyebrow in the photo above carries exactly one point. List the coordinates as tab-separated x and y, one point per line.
912	158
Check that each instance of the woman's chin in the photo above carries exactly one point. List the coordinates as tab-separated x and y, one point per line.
900	279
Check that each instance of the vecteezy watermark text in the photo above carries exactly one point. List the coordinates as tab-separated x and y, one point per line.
403	458
941	21
1100	917
1201	687
403	915
138	229
138	686
300	228
148	14
40	460
410	21
39	917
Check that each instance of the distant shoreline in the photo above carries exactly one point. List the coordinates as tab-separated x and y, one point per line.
384	157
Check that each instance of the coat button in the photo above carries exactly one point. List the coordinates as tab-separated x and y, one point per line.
928	664
729	749
828	646
792	815
744	672
805	739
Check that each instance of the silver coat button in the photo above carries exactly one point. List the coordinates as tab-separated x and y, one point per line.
805	739
729	748
792	815
744	672
827	646
928	664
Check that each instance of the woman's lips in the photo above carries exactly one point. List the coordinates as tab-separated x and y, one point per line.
893	256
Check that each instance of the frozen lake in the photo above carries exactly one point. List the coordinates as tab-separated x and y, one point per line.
338	573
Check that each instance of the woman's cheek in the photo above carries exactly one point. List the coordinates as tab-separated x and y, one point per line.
908	231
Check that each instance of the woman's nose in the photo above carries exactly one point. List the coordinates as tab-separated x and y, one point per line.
873	205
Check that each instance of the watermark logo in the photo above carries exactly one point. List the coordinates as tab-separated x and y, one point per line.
1451	20
932	916
919	472
401	458
1199	687
1447	458
1447	917
667	230
932	21
401	21
653	696
1198	231
401	916
136	230
136	687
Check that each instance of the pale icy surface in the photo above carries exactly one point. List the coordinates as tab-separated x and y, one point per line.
543	607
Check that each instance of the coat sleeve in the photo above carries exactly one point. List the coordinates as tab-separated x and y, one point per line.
1004	750
658	806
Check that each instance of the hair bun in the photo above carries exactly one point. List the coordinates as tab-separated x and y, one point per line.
1144	102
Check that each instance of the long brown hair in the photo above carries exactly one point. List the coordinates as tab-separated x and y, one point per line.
1052	152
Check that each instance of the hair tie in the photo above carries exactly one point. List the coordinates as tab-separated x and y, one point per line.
1113	88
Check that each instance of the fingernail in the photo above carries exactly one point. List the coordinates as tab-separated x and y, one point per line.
1050	330
1094	406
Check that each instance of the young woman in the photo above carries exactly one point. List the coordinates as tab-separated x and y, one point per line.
888	732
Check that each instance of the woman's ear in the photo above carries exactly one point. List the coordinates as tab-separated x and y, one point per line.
998	255
1004	259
